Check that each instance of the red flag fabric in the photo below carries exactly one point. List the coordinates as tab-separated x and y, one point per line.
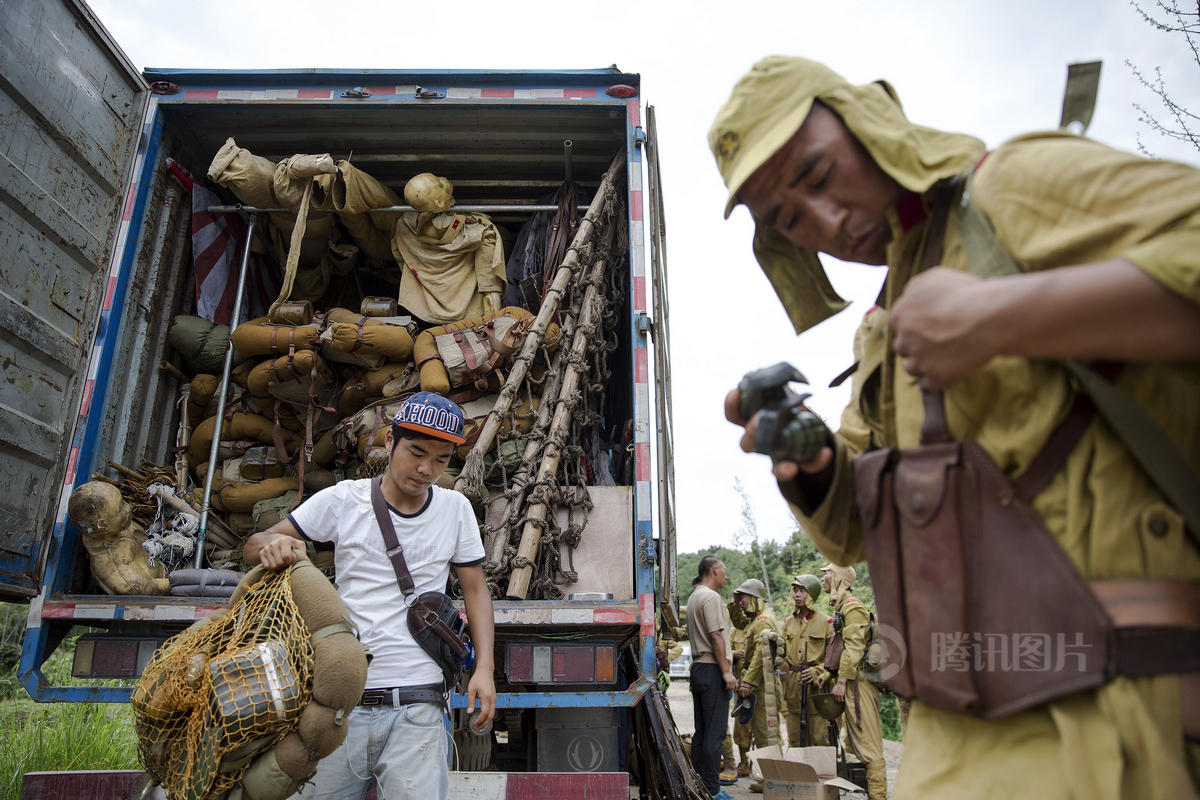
217	241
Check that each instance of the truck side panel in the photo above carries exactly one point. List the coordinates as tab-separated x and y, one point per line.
70	113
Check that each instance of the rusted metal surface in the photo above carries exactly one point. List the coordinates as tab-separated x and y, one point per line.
71	107
87	785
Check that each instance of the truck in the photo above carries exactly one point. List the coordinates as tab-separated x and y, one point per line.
92	276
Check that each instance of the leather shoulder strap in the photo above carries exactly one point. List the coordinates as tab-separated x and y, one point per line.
934	429
395	552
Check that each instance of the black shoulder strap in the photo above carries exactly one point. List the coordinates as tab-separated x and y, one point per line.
395	552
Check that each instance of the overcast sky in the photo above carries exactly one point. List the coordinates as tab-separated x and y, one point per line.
992	69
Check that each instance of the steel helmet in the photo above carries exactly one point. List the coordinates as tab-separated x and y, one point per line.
828	706
811	584
753	587
429	192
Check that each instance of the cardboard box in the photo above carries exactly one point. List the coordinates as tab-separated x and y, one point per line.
800	773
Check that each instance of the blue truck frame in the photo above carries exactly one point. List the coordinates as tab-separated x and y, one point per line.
55	609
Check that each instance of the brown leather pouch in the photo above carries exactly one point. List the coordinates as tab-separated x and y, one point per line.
952	544
833	653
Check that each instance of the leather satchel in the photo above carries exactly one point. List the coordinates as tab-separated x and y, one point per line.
950	540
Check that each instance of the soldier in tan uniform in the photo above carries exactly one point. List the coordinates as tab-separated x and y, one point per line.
805	633
752	597
864	729
734	768
1106	247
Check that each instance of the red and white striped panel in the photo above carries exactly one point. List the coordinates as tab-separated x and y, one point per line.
452	93
539	785
148	611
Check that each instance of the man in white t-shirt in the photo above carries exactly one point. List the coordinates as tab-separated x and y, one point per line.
397	734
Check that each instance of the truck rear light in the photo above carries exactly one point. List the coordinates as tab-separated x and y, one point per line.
100	656
605	664
560	663
621	90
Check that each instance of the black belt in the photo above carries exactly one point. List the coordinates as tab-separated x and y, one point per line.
404	695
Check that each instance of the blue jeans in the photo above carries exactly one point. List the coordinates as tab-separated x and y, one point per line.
710	704
403	749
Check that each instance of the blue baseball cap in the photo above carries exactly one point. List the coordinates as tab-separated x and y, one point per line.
433	415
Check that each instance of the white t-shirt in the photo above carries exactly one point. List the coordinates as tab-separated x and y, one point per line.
441	534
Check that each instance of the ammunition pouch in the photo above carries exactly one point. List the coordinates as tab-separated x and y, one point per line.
948	536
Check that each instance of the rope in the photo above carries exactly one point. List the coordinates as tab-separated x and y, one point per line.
515	479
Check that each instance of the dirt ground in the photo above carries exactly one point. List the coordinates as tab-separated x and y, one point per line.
681	708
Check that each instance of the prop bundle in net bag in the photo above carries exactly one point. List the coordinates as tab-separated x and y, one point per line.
242	705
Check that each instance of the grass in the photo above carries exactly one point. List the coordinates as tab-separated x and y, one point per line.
41	737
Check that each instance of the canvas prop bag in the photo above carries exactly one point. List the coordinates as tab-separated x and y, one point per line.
245	702
366	341
465	353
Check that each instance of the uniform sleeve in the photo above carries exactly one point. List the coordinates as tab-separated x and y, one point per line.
469	551
489	261
831	522
754	672
855	629
316	518
1058	200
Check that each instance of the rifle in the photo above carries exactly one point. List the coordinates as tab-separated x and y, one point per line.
804	742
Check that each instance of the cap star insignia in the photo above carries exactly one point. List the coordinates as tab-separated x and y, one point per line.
728	144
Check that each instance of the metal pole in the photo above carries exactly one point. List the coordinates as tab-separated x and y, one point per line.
483	209
568	145
222	393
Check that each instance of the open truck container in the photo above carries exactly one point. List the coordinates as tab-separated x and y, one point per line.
95	266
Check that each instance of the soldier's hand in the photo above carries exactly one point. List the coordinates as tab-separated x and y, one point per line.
937	324
784	470
738	655
839	689
743	691
810	675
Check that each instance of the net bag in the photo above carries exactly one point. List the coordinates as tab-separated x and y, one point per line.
245	702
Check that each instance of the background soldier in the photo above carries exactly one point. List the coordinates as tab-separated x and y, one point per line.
805	634
864	730
752	597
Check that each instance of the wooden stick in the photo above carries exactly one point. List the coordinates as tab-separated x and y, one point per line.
168	497
174	372
540	426
127	472
473	468
518	581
